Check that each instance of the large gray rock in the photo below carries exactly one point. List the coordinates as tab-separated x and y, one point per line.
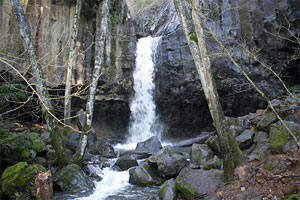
167	162
103	147
141	176
168	190
193	182
261	137
151	145
199	154
125	162
73	141
72	179
267	121
245	139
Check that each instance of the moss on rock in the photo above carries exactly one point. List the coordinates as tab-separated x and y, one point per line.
280	140
184	188
20	147
19	179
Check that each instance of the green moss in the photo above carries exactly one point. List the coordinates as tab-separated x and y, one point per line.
237	154
227	82
278	138
17	147
163	187
19	178
185	189
193	37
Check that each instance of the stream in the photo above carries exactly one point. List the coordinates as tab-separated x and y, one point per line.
144	123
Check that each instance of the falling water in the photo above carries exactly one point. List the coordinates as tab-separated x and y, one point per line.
144	124
144	120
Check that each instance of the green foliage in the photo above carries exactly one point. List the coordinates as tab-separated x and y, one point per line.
294	196
193	36
227	82
293	57
15	147
12	93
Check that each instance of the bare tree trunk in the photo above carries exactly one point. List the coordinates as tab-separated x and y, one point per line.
198	49
44	186
47	108
71	63
101	32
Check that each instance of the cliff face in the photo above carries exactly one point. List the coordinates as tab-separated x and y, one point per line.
263	28
51	23
242	25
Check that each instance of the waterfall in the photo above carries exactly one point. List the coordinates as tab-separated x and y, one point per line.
144	120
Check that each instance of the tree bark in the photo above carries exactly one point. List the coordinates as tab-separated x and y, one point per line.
101	33
44	186
47	108
71	63
197	44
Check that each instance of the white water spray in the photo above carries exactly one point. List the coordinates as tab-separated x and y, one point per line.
144	120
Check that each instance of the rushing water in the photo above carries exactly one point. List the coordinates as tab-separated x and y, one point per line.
144	124
144	120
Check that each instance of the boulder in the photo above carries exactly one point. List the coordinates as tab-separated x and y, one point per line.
103	147
73	141
140	176
280	139
15	147
125	162
188	182
168	190
167	162
276	164
214	163
266	121
245	139
259	153
261	137
72	179
151	145
199	154
19	179
50	155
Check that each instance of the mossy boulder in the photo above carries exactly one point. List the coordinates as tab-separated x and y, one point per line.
19	180
266	121
168	162
144	175
72	179
280	139
200	153
193	182
17	147
168	190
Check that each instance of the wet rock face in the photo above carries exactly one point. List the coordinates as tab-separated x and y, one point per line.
178	89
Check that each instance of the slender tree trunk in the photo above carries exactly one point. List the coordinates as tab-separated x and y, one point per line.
197	44
47	108
71	63
101	32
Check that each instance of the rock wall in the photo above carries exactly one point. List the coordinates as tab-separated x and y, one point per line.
179	97
243	27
